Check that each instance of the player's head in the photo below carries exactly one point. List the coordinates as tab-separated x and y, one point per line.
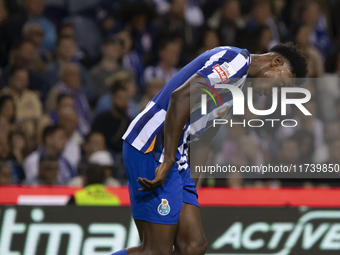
285	65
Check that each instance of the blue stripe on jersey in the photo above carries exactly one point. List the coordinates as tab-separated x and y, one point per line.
150	122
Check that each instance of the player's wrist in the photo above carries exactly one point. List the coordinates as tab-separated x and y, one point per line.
169	162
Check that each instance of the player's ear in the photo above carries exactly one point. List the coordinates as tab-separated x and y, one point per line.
277	61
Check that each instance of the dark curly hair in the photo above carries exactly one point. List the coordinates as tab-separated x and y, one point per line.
297	62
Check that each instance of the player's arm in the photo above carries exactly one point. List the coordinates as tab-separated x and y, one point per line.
178	113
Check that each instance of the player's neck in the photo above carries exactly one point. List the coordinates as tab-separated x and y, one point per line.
258	61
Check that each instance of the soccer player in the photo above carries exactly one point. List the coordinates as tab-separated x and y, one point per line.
162	192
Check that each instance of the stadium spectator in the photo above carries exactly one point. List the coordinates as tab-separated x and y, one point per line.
70	84
112	124
152	88
121	78
332	179
94	191
51	118
104	159
261	15
305	140
64	101
109	64
331	133
94	142
66	30
89	46
263	38
33	33
174	23
310	14
210	41
228	23
7	108
18	146
169	53
33	12
27	103
48	172
24	54
132	60
314	58
5	173
310	123
65	54
138	16
289	153
229	150
54	141
109	23
18	151
68	121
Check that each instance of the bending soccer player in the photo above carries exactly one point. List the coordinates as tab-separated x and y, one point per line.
162	192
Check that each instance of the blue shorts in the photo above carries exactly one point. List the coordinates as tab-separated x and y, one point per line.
164	204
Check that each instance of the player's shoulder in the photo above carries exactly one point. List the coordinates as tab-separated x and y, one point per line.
228	53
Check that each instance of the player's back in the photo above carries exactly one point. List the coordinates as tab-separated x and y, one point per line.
145	132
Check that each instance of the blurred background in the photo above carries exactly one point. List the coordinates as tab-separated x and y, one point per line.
75	73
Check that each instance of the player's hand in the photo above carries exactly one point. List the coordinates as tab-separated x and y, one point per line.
160	175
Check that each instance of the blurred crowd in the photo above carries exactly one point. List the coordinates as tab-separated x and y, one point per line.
74	73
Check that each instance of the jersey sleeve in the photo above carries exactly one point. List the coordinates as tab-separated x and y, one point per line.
224	66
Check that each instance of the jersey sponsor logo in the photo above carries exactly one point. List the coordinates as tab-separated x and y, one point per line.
221	73
228	69
164	207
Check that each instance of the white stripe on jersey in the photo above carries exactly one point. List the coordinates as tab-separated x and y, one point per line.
148	129
238	62
133	123
214	58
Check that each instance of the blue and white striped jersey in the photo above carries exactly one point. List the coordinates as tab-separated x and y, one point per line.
219	65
